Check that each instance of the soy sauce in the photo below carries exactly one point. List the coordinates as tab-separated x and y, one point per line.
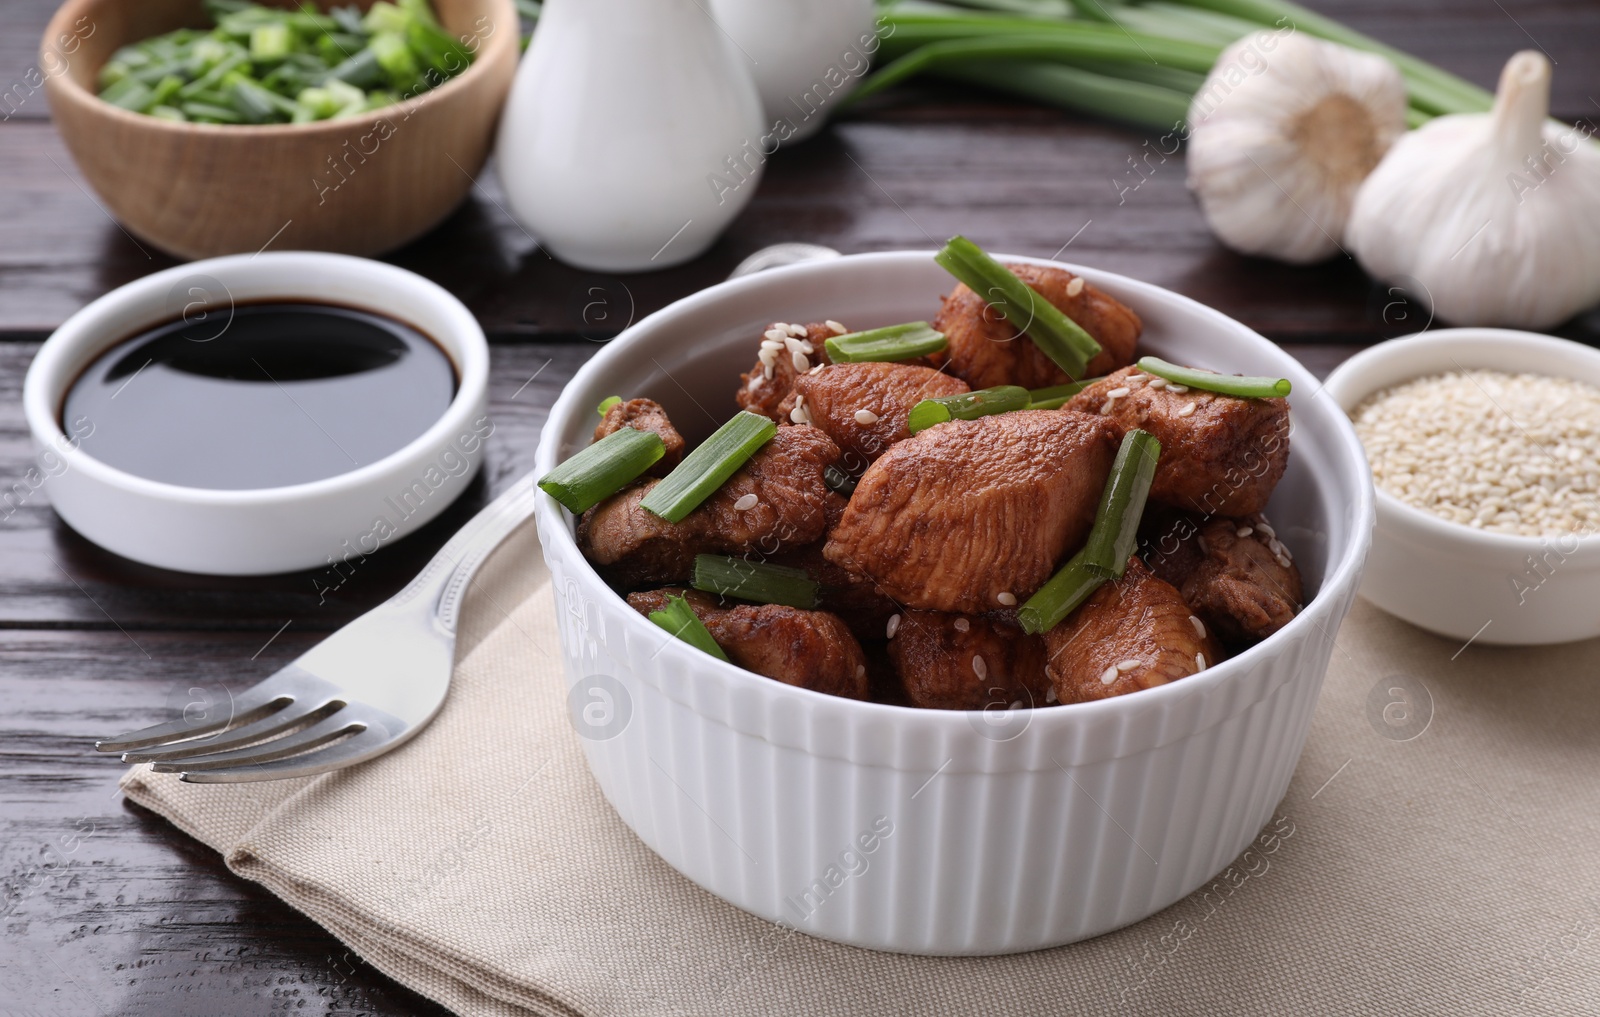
266	395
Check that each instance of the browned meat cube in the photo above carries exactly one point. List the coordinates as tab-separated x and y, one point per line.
972	515
962	662
1220	455
1235	573
767	384
810	649
863	407
645	415
1135	633
631	546
986	351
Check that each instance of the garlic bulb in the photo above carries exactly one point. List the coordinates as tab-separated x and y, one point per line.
1282	133
1496	215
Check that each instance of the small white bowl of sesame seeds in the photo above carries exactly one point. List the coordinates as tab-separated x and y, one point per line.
1485	450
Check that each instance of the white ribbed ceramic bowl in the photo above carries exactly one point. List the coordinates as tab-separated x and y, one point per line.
926	831
1449	578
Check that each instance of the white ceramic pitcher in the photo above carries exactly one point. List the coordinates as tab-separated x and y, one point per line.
632	135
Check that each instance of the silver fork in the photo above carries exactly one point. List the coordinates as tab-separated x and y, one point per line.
364	690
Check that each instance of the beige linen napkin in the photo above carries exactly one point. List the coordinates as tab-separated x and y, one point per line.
1438	852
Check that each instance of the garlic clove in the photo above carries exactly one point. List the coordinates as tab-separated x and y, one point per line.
1281	135
1489	218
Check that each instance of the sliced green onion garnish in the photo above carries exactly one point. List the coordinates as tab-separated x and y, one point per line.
838	480
679	619
607	403
1226	384
1056	599
709	466
966	406
1062	339
892	342
602	469
1056	396
757	581
1116	522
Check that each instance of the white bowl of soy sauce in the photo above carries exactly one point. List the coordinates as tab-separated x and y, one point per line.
259	414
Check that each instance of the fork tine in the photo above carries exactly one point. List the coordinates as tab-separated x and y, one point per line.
297	712
352	750
252	704
341	722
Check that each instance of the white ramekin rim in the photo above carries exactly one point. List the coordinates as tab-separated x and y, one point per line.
1442	350
105	322
556	529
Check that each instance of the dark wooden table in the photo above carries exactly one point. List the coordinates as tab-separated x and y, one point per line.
107	909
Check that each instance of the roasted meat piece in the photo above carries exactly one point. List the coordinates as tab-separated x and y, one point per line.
645	415
764	387
962	662
972	515
810	649
630	546
1220	455
863	407
986	351
1134	633
1235	573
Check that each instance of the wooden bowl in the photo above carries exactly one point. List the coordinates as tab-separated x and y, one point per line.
363	185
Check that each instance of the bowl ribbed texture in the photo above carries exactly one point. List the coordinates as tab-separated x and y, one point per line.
994	832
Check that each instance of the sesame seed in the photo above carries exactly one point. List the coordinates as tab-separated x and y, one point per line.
796	330
746	503
1188	409
767	345
1283	561
962	625
1157	382
766	370
893	626
1050	695
800	362
1106	406
1118	393
1007	598
1109	675
1500	452
776	334
861	670
1075	287
1200	661
816	368
1176	388
1244	531
836	328
979	668
1266	529
1129	664
866	418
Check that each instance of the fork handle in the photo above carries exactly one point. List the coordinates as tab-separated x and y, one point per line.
446	576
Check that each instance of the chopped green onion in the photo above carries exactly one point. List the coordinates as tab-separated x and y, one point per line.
679	619
1116	522
207	113
269	42
1058	336
602	469
1056	599
757	581
966	406
709	466
607	403
839	481
893	342
1056	396
1226	384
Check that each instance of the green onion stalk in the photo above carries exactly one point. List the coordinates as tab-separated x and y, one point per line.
1139	61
